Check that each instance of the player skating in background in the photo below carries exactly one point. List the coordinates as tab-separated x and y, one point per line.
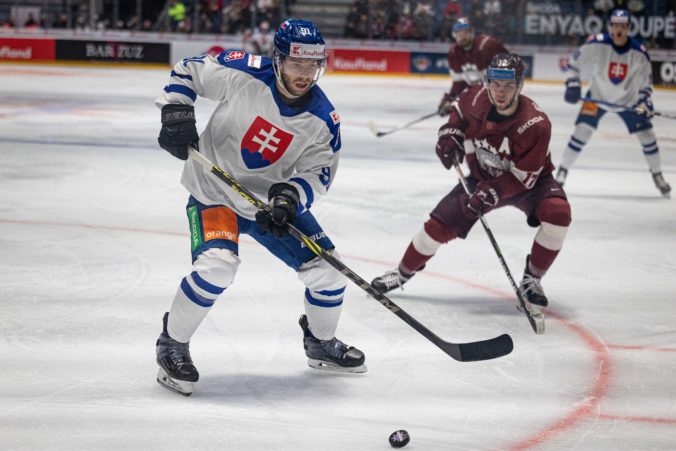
506	142
275	131
621	74
468	58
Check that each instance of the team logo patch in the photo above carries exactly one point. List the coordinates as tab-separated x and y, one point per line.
234	55
263	144
617	72
334	117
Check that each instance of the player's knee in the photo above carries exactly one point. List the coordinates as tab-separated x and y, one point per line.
217	267
318	275
554	210
646	137
583	131
437	232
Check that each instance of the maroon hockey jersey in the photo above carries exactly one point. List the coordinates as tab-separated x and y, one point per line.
468	67
511	151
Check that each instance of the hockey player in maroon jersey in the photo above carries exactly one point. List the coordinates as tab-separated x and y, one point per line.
468	59
506	142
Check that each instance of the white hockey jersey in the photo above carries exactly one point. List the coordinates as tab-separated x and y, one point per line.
253	135
618	75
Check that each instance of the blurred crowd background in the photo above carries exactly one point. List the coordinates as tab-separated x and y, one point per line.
541	22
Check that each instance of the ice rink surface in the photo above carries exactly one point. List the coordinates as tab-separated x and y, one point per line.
94	241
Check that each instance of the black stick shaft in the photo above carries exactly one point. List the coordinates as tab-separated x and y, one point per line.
494	243
464	352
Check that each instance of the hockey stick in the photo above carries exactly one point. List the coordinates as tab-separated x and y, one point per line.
538	326
617	105
463	352
372	126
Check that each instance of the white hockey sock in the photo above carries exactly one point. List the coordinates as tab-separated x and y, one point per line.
213	271
184	317
323	320
651	152
323	298
577	141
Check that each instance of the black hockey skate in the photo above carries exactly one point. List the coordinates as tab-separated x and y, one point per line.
561	175
177	372
535	298
333	354
389	281
662	185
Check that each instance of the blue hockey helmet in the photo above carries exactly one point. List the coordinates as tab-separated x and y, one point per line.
299	39
621	16
462	23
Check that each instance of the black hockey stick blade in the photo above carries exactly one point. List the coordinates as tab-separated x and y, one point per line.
463	352
481	350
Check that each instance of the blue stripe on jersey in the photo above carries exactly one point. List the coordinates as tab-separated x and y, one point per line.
307	189
650	152
182	76
181	89
319	302
206	286
196	298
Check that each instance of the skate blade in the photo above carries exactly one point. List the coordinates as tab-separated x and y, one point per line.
329	366
538	317
181	387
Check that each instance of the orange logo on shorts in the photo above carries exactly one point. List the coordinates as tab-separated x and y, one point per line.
220	223
589	109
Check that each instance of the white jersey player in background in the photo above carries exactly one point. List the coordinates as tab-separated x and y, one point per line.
621	75
274	131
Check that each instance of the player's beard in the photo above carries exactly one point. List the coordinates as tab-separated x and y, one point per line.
297	86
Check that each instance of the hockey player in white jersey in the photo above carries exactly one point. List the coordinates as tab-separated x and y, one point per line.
274	131
621	75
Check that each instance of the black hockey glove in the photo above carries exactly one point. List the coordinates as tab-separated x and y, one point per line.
573	90
450	145
283	204
178	129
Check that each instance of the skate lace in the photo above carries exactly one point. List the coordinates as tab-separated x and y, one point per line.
179	353
334	348
531	284
392	279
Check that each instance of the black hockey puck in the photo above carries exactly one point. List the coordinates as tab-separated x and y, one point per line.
399	439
